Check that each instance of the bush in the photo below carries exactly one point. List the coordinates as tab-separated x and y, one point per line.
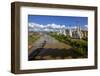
80	45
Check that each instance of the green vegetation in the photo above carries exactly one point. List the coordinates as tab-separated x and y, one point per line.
85	39
33	37
79	45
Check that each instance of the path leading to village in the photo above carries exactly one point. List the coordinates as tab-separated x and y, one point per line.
47	47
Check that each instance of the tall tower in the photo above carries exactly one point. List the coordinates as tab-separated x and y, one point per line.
70	32
79	32
64	32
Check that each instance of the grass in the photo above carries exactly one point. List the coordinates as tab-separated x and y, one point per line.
79	45
32	38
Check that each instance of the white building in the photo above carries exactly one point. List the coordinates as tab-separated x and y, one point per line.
77	33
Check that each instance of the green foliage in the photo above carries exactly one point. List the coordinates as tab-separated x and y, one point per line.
85	38
32	38
79	45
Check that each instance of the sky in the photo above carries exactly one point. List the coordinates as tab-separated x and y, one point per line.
58	20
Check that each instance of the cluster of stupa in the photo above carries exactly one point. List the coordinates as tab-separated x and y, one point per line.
74	33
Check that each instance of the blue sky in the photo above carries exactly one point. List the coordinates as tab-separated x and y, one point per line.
60	20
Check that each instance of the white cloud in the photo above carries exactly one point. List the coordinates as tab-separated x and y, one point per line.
50	27
53	25
86	26
73	27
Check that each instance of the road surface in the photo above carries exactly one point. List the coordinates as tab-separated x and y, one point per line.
47	47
